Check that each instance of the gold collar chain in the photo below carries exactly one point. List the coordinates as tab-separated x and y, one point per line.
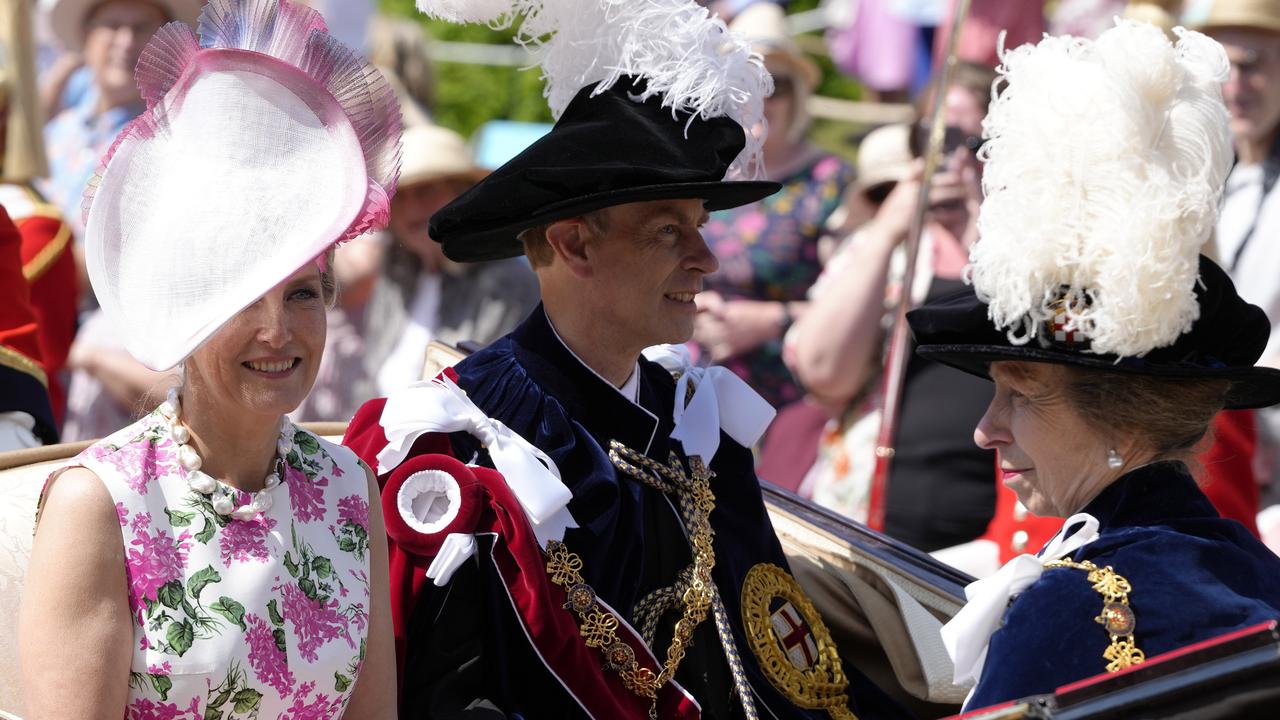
1116	617
596	624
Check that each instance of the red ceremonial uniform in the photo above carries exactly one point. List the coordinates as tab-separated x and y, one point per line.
50	273
23	385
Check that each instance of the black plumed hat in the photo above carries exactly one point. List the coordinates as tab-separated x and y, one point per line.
606	149
1224	343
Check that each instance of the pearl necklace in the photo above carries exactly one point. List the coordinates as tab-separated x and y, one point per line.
221	496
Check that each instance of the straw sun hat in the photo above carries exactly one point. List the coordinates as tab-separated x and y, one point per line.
66	17
435	153
1258	14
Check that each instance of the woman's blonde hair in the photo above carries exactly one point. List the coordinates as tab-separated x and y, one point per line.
1171	416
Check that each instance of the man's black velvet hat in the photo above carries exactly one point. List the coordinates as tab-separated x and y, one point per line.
1225	342
608	149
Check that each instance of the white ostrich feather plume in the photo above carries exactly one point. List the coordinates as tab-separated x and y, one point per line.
1104	169
687	55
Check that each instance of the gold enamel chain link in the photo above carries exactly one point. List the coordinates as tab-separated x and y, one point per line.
598	627
1116	617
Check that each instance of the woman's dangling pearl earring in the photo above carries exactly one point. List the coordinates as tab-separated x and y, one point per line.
1114	461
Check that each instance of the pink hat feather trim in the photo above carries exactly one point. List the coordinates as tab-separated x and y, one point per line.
293	34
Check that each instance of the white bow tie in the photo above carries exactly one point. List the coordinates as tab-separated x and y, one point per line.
968	635
721	401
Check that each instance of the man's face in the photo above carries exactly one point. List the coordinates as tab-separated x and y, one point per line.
648	261
114	34
1252	93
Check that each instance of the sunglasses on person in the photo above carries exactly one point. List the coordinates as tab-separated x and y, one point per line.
953	139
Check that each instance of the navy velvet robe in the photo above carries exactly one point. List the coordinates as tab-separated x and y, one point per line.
1195	576
465	649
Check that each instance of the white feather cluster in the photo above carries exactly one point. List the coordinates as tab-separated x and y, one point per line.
1104	169
688	56
486	12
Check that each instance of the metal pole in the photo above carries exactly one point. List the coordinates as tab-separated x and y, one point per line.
899	340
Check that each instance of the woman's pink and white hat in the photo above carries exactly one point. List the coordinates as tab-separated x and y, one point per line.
264	142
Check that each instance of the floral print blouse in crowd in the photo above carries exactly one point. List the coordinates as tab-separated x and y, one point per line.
769	251
240	619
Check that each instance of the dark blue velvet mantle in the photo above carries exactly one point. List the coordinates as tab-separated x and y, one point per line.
1194	574
533	384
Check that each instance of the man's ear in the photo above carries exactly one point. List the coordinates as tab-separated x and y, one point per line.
568	239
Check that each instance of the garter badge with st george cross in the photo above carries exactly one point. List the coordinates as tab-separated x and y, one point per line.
793	645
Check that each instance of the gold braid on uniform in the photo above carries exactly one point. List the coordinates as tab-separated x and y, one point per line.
599	627
1116	617
671	480
650	609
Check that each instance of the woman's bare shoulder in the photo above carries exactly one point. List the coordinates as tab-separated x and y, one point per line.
78	495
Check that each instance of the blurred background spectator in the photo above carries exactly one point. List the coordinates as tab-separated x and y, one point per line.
941	488
347	20
421	295
876	43
26	417
47	268
1248	233
95	103
398	46
979	39
768	251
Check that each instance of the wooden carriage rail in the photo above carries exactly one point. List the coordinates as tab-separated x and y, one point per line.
62	451
920	566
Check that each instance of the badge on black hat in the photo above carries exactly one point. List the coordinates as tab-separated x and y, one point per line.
653	100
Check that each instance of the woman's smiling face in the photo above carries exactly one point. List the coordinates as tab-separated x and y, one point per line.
264	360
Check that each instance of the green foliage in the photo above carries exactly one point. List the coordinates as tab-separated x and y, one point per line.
470	95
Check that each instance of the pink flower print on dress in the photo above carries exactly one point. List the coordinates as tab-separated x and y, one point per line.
320	708
355	510
246	540
306	496
314	623
165	458
144	709
265	657
164	669
99	451
140	522
152	561
131	461
140	461
122	513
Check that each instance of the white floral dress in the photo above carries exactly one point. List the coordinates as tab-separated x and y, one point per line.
240	619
